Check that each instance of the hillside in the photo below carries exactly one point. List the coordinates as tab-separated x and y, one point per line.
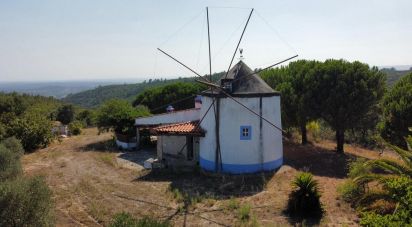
394	75
56	89
94	97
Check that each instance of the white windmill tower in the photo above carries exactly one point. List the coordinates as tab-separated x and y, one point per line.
242	118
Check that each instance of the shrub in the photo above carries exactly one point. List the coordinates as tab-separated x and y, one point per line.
75	127
178	195
33	129
233	204
350	191
3	131
244	212
313	128
25	202
124	219
10	153
304	200
88	117
358	168
388	198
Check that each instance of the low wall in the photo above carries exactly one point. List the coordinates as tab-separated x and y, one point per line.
126	142
125	145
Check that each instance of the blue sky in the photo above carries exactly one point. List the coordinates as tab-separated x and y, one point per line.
77	39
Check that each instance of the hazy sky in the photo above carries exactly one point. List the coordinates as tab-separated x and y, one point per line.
78	39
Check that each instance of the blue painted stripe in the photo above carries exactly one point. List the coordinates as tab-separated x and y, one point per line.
241	168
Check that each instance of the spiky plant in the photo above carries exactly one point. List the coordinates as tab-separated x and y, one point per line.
389	167
383	172
304	200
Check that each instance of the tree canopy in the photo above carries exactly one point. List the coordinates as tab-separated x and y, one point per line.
65	114
344	94
28	118
160	96
119	115
346	91
397	112
296	84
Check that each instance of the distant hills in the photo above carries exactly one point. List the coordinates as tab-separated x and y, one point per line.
90	94
394	75
95	97
57	89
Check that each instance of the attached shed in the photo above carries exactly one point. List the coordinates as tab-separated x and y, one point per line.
178	144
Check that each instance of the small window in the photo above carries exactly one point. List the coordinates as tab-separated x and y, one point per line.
245	132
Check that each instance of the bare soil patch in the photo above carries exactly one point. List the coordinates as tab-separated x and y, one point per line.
90	186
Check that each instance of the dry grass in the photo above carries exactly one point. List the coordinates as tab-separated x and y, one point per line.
108	158
89	188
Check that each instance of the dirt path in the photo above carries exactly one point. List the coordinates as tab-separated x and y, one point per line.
87	184
89	187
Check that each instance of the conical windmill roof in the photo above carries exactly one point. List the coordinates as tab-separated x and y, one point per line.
245	82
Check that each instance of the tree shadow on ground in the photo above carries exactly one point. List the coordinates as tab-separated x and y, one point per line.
205	185
317	160
108	145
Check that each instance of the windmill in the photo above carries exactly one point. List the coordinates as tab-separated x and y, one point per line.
242	90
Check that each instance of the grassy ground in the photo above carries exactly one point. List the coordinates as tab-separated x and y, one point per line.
90	186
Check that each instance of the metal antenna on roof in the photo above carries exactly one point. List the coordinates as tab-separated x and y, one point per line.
241	54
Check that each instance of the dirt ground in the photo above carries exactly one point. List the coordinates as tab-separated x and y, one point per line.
90	186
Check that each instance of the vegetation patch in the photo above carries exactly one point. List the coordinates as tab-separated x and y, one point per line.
304	200
382	189
24	201
108	158
127	220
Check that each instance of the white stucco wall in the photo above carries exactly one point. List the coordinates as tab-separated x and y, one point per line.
173	144
263	151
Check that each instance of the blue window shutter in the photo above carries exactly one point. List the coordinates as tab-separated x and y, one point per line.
245	132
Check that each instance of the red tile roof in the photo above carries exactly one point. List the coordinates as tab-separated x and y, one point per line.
185	128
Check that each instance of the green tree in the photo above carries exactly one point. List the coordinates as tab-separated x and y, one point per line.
65	114
397	112
88	117
296	83
345	93
159	96
33	129
119	116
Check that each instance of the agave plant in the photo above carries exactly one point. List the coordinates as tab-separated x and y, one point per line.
304	199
